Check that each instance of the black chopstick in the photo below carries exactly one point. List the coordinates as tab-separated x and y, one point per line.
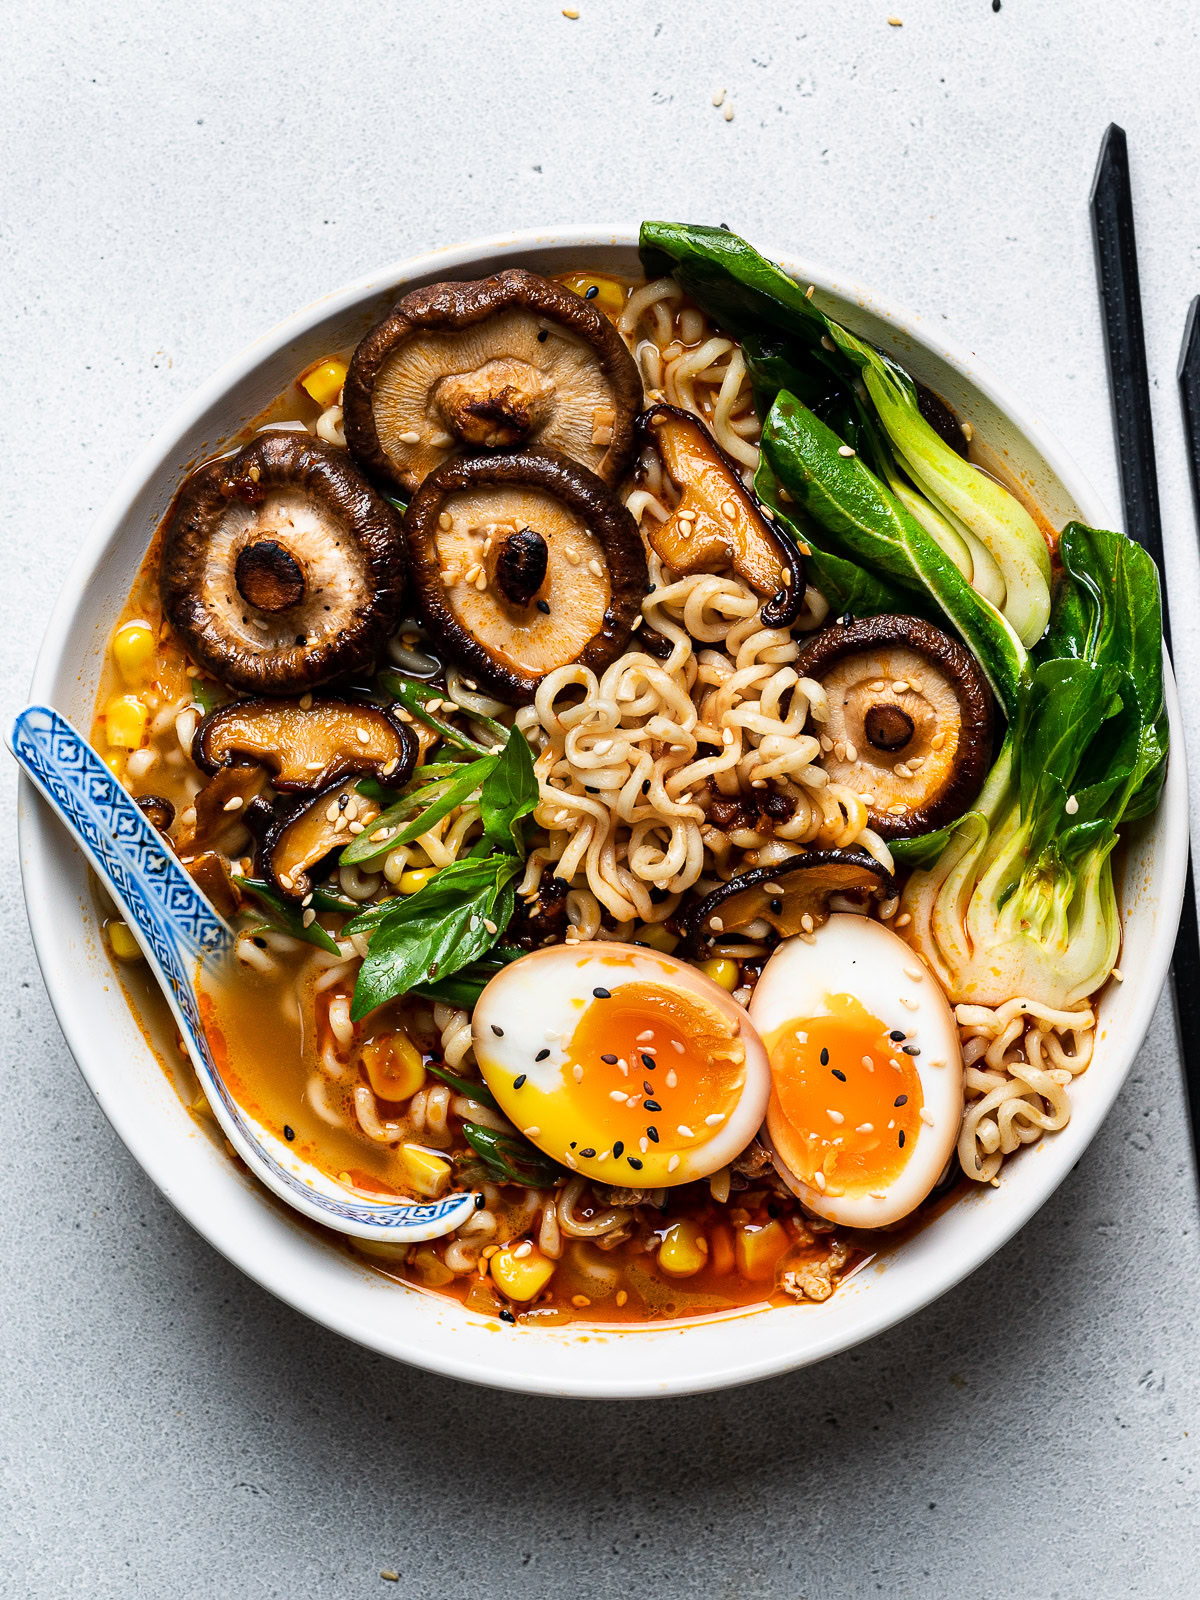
1125	343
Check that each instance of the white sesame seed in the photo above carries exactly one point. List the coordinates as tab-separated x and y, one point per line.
834	1116
846	450
355	826
911	1005
643	1144
718	97
927	1117
716	924
490	925
577	1073
672	1164
914	973
531	1133
672	1080
1072	805
819	1180
233	805
1117	975
524	1248
714	1118
411	437
865	1127
684	1131
616	1094
728	113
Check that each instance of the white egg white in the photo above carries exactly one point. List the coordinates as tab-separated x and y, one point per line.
530	1010
860	957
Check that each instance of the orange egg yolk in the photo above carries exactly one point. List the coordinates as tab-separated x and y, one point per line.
652	1062
846	1100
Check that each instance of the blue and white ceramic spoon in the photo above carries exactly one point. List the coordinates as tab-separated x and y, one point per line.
181	935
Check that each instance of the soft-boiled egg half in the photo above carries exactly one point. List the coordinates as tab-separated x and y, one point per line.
624	1064
866	1071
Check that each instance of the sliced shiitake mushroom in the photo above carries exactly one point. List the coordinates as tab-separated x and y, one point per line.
211	873
157	810
514	361
305	835
524	563
792	896
910	719
307	744
718	523
282	567
225	803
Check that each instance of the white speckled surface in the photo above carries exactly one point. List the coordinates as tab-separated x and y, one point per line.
176	178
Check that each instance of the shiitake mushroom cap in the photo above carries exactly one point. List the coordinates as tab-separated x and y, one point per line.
282	567
784	894
882	716
512	361
593	585
307	747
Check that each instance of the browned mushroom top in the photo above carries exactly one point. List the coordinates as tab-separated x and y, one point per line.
910	719
524	563
309	744
514	361
792	896
282	568
302	837
717	522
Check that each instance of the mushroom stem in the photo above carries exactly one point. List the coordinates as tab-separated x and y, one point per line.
521	566
268	577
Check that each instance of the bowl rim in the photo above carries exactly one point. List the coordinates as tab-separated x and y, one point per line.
41	839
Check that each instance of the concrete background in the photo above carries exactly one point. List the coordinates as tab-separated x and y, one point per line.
176	178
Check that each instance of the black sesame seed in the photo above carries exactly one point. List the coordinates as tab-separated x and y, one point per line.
574	1143
776	906
519	1083
824	1056
288	1133
506	1315
652	1105
588	1153
902	1138
647	1088
910	1050
498	1031
480	1201
543	335
646	786
541	1055
652	1135
649	1063
544	607
634	1163
618	1148
900	1100
897	1034
840	1076
602	994
612	1060
591	292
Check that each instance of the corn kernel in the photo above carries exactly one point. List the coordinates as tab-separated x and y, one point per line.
521	1277
125	720
124	946
656	935
323	380
758	1250
609	295
395	1067
423	1171
723	971
133	648
683	1251
416	879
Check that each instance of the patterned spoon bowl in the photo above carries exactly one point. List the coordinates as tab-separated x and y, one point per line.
181	936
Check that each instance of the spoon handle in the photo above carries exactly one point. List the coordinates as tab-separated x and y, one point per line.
179	931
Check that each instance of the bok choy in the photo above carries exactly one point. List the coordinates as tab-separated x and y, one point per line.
871	404
1020	900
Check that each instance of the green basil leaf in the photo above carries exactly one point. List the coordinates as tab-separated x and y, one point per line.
510	793
465	987
432	934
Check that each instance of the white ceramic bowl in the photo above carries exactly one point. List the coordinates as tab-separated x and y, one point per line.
320	1279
